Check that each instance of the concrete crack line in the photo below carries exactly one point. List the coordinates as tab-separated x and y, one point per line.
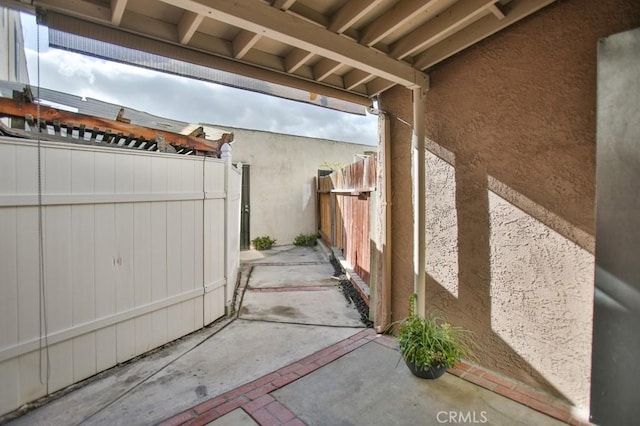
292	289
302	263
303	323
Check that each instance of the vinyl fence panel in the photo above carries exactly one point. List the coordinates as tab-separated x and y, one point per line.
134	257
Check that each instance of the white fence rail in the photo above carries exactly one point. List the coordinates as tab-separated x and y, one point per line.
134	257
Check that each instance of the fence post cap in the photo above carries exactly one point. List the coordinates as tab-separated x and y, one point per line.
225	152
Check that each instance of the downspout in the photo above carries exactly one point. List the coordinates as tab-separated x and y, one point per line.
418	179
382	288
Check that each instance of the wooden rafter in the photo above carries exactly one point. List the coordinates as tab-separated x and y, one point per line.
495	9
117	10
354	78
483	28
324	69
270	22
395	18
295	59
379	85
243	42
283	4
188	25
350	13
456	17
325	33
20	109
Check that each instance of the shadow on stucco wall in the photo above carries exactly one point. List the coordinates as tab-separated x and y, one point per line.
462	263
472	293
463	281
514	118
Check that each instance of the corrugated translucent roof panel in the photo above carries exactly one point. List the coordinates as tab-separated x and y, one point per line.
126	55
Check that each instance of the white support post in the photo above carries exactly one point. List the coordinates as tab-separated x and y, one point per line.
418	178
225	155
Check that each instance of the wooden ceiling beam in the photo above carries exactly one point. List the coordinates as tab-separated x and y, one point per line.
308	14
495	9
316	18
324	68
243	42
188	25
78	9
350	13
355	77
378	85
263	19
295	59
457	16
117	10
393	19
479	30
283	4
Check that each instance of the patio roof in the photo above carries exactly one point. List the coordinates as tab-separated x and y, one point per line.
350	50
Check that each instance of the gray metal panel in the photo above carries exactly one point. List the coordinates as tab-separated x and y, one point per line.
616	339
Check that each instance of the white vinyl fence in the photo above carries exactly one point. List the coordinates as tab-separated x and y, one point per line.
139	249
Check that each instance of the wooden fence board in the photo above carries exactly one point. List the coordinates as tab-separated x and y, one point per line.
344	199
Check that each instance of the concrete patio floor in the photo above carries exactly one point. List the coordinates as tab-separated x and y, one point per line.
296	354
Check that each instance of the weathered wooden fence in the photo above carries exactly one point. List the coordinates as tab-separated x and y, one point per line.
138	249
344	210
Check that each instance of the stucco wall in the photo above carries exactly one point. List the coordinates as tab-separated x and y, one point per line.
282	171
510	192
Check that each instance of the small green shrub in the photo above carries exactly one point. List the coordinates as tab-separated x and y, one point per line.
263	243
305	239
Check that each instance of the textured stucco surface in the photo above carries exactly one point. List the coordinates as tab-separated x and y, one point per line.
541	298
282	171
511	128
441	223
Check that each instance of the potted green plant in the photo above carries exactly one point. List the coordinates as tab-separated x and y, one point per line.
430	345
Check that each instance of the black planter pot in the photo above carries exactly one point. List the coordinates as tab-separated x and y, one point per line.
429	373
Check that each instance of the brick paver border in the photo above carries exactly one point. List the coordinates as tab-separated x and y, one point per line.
525	395
255	399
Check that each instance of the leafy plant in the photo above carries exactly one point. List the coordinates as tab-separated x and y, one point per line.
263	243
305	239
432	341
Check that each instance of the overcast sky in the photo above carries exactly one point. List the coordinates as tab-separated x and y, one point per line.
186	99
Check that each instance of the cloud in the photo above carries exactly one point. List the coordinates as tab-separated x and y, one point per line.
192	100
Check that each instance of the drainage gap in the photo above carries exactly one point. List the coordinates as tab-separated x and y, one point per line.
350	293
